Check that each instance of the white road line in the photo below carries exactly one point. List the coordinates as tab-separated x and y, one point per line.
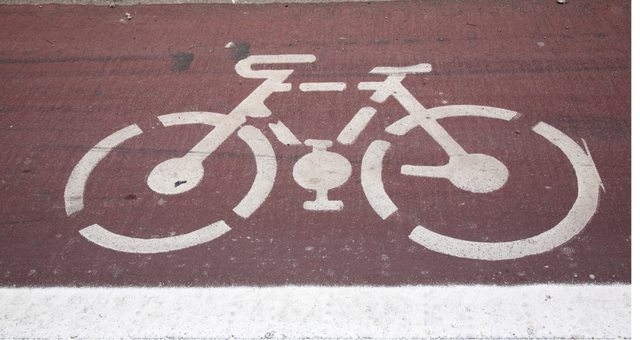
245	70
371	178
323	86
192	117
266	168
424	312
74	190
107	239
404	125
354	128
283	134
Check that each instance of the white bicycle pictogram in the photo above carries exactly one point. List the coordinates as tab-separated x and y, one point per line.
322	170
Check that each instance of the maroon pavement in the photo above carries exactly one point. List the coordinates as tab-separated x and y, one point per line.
72	75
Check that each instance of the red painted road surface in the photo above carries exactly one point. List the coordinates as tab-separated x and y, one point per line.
70	76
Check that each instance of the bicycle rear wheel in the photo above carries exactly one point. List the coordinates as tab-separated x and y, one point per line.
266	168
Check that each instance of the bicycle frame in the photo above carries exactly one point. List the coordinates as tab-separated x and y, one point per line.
473	172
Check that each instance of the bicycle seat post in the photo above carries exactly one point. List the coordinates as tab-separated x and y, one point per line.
392	85
321	171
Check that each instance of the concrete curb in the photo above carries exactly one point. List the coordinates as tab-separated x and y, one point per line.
406	312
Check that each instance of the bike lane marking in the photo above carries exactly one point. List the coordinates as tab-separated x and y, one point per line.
356	125
74	190
107	239
255	139
266	168
589	185
322	170
283	134
322	87
371	178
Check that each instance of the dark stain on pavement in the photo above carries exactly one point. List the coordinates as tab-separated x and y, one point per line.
181	61
239	50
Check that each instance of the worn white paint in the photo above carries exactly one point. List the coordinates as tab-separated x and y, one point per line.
321	171
187	169
192	117
371	179
107	239
472	172
266	165
478	173
266	169
74	190
172	175
392	87
354	128
408	312
263	153
176	175
179	175
245	69
323	87
318	144
583	209
283	134
405	124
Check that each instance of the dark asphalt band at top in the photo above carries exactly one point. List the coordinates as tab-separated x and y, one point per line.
74	75
115	3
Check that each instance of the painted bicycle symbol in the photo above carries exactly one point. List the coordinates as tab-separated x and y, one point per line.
322	170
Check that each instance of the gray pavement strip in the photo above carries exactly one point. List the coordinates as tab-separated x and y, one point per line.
151	2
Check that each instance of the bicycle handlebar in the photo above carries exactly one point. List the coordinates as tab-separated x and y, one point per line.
243	67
